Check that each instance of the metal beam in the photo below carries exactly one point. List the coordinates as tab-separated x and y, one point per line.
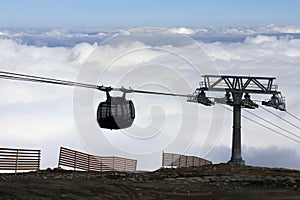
240	91
243	84
243	77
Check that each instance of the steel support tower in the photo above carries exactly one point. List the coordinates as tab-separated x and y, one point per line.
234	87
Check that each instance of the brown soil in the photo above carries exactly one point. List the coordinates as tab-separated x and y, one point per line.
207	182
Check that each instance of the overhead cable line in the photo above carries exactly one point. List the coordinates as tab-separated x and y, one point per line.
25	77
292	115
271	129
280	117
275	131
273	124
30	78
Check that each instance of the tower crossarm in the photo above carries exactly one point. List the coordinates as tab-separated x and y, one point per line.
242	84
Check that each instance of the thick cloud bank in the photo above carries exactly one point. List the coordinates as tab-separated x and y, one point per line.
69	37
39	116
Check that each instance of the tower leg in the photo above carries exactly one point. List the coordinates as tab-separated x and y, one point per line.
236	154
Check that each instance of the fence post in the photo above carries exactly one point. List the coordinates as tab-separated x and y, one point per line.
172	161
75	161
125	165
193	161
39	159
17	160
163	160
113	163
101	164
186	158
59	158
89	162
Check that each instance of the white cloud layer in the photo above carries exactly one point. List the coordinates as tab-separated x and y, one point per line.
69	37
41	116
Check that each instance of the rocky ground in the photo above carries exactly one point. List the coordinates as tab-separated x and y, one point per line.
207	182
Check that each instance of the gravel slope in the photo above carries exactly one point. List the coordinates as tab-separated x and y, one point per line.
207	182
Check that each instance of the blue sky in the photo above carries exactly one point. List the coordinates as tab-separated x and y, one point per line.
137	13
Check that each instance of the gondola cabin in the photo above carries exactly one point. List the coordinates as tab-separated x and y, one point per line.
115	113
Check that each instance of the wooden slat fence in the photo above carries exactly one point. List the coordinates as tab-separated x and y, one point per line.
177	160
19	159
86	162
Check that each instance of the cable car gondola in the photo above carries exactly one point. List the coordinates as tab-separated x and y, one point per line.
115	112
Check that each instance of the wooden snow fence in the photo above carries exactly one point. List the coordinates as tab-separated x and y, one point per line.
19	159
86	162
178	160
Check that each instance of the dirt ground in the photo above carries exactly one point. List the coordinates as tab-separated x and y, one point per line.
207	182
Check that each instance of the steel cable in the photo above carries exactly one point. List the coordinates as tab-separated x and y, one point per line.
26	77
275	131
